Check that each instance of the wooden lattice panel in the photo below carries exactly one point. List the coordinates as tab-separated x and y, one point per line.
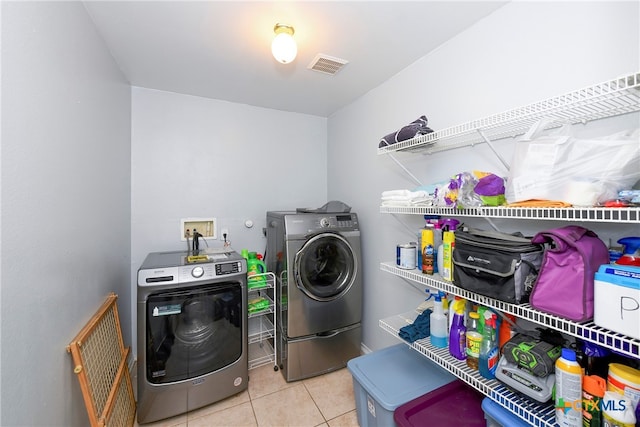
100	360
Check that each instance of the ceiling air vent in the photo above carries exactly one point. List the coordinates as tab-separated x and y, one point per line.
327	64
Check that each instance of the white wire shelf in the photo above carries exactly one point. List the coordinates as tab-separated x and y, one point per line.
587	331
260	353
593	214
607	99
538	414
260	328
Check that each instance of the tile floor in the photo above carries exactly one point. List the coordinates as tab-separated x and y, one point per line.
325	400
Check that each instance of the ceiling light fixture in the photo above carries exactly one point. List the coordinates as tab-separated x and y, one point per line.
284	47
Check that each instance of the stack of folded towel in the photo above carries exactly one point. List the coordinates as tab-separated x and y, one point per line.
407	198
420	328
413	129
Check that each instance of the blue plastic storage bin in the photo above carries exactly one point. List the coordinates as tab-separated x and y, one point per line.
497	416
388	378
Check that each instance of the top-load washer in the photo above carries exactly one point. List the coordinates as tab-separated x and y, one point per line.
317	261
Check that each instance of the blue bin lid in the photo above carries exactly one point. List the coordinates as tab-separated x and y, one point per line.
501	415
397	374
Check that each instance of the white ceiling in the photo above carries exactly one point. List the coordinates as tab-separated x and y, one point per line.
222	49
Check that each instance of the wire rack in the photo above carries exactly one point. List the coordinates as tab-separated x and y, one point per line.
607	99
595	214
534	413
587	330
100	363
261	330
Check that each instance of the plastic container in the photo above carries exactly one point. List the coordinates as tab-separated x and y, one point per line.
448	245
593	389
497	416
458	332
631	251
506	333
489	353
617	411
625	380
616	299
455	404
388	378
474	340
568	390
255	267
427	250
438	325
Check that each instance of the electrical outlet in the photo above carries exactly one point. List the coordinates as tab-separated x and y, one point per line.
205	226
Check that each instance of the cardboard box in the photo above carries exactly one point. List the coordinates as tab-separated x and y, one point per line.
388	378
616	299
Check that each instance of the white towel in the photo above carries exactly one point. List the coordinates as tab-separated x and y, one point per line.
406	198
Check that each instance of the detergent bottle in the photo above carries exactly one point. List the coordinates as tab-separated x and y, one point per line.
438	324
458	331
630	252
255	266
489	353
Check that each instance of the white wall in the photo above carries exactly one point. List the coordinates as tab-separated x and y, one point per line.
65	203
198	157
522	53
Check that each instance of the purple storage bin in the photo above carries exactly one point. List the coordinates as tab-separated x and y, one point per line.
454	404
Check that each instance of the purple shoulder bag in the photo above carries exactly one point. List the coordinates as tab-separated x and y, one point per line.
564	286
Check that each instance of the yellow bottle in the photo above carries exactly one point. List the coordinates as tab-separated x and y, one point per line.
448	243
427	251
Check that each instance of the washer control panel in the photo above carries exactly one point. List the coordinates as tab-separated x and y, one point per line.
338	221
154	274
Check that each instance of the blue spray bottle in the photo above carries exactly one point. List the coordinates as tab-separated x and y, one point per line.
438	325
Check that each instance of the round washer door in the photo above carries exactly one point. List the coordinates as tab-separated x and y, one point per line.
325	267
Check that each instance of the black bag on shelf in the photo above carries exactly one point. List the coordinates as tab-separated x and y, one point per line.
498	265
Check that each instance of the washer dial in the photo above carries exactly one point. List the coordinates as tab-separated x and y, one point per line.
197	271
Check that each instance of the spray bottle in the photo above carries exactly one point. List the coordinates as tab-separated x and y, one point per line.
631	251
438	324
445	251
458	332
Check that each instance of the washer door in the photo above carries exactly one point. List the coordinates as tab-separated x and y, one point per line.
325	267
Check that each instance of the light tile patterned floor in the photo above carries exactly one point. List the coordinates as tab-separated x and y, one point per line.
326	401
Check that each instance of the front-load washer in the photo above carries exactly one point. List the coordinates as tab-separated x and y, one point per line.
316	258
192	332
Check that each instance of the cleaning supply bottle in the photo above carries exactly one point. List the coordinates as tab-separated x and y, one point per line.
617	410
506	331
489	354
630	251
474	340
438	324
427	250
449	226
568	390
458	332
255	267
593	388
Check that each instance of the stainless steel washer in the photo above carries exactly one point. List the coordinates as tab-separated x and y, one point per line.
192	332
317	260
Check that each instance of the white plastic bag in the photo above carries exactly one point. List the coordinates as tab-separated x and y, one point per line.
583	172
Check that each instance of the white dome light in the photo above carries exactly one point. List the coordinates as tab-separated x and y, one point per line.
284	47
